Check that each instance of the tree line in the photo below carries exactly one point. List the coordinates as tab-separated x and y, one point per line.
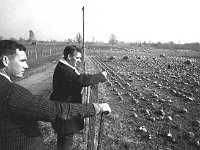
170	45
113	40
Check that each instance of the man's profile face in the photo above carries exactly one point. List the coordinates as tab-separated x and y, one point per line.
17	64
75	59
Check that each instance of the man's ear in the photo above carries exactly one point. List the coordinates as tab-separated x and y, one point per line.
69	57
5	61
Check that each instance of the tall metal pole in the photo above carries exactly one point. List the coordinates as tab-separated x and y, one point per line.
83	35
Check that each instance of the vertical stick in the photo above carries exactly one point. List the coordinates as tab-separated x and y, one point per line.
86	92
83	41
28	53
36	54
101	132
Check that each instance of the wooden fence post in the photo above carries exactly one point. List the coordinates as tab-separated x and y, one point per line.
36	54
92	120
28	53
101	132
31	53
50	52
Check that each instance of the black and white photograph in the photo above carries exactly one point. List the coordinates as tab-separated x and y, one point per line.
99	75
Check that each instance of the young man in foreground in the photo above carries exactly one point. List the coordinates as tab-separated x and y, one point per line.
20	110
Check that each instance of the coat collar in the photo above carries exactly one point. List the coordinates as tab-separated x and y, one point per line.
6	76
62	60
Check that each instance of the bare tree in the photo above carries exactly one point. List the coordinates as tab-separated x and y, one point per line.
69	40
78	39
93	39
31	36
21	39
113	39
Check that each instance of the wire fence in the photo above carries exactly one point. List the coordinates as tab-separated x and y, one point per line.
34	54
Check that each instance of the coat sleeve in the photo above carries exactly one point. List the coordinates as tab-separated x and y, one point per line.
83	79
22	102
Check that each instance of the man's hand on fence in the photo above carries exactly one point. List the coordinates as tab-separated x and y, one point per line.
105	74
105	108
102	108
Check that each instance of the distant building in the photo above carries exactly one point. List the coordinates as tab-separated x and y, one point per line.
34	43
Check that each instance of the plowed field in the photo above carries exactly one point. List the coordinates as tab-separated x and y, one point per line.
154	99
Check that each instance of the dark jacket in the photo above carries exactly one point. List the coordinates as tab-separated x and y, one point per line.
20	112
67	87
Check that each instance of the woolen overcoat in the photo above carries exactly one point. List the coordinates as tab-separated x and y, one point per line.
67	87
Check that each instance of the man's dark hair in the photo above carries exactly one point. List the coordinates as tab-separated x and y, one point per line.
69	50
8	47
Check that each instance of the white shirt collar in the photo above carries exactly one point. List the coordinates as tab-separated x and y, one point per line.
62	60
5	76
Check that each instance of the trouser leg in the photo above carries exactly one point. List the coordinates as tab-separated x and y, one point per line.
64	142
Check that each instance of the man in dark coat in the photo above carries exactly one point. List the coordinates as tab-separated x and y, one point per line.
20	110
67	87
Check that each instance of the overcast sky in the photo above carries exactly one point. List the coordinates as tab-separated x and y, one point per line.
129	20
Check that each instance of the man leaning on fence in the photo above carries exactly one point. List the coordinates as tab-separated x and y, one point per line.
67	87
20	110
